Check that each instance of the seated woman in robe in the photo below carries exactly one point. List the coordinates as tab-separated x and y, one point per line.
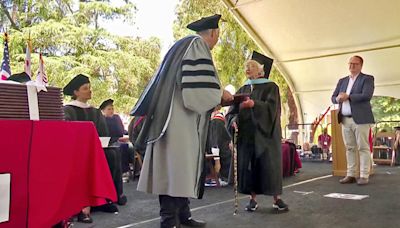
117	132
79	110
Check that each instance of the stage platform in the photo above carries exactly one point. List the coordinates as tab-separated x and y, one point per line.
304	193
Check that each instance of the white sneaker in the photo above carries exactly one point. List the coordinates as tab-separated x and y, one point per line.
223	183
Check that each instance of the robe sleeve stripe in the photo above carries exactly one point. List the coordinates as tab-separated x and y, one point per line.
195	85
199	78
196	62
198	67
198	73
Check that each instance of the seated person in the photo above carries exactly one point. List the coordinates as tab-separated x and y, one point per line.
307	149
117	131
220	140
316	152
133	131
135	125
79	110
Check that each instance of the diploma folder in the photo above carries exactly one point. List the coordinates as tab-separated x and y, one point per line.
237	99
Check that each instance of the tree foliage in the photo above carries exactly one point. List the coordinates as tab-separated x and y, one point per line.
386	109
70	36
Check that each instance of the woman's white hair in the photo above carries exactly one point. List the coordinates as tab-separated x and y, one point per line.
259	66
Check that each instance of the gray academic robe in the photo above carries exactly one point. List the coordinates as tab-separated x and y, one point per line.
174	156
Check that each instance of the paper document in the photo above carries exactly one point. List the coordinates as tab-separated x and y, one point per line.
104	141
5	192
346	196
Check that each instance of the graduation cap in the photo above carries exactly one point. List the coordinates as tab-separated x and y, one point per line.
205	23
75	83
263	60
20	77
106	103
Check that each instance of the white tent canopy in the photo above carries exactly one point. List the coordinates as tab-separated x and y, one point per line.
312	40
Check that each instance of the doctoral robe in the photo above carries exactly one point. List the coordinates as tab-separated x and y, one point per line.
183	92
75	113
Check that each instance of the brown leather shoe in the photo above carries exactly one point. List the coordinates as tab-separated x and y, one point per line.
347	180
362	181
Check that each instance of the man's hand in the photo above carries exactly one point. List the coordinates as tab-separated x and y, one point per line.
226	97
342	97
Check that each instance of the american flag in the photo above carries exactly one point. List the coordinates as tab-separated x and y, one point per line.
5	65
28	61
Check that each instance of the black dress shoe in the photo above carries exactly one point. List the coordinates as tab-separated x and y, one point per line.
122	200
193	223
108	208
84	218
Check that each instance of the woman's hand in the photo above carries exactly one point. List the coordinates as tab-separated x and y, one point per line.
248	103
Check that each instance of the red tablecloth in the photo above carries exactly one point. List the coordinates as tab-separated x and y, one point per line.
56	169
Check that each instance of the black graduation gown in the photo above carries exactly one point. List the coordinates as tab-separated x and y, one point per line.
259	141
219	137
74	113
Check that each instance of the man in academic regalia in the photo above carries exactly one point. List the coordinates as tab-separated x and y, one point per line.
177	103
259	134
79	110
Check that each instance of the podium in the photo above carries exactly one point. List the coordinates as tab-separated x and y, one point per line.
339	163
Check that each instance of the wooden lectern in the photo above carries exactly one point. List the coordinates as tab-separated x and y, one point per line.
339	163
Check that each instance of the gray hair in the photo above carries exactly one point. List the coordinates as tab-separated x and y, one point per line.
259	66
204	32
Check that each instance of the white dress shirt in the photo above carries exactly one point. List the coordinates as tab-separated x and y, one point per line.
346	108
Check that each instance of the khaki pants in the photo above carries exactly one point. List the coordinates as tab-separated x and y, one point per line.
355	136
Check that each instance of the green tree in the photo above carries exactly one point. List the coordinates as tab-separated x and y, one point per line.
386	109
70	36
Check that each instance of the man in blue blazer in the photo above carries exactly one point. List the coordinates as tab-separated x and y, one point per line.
353	93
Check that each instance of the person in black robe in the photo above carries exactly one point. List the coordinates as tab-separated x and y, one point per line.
79	110
219	138
259	134
117	132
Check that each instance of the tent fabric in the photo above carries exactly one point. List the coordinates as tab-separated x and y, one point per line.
311	42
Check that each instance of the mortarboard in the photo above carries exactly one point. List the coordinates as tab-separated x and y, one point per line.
263	60
20	77
75	83
106	103
205	23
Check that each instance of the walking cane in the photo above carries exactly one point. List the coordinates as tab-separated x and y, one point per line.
235	179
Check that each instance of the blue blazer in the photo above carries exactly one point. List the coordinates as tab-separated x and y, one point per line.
360	97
